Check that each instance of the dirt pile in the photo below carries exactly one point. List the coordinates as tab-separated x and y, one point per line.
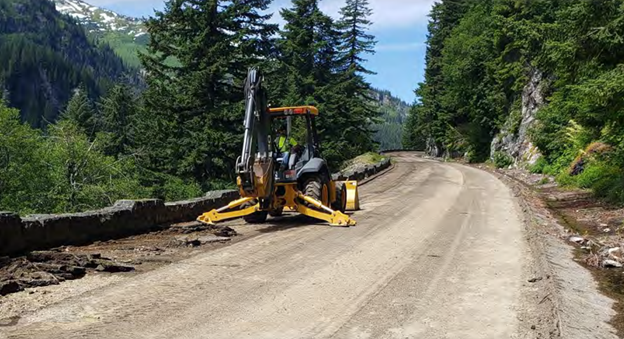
44	268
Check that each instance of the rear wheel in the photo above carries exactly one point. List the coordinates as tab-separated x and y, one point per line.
255	218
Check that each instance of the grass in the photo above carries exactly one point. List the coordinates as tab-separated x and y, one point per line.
370	158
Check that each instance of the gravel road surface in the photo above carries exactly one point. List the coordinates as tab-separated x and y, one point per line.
439	252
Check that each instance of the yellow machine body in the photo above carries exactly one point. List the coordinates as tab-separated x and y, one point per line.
262	194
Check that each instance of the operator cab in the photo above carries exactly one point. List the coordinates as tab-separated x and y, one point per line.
288	137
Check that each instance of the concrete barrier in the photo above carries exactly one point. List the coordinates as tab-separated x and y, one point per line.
124	218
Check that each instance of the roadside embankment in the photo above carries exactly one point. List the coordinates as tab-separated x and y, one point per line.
572	273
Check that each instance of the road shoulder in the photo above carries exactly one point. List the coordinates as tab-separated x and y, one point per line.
564	300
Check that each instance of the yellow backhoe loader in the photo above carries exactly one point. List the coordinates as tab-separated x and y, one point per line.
271	181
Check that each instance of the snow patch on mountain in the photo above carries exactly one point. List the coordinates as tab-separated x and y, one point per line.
96	19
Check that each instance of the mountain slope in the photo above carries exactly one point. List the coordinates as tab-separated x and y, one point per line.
44	56
393	112
126	35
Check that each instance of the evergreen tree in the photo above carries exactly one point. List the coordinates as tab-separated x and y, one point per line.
322	68
299	49
354	24
81	112
196	104
117	114
355	42
429	126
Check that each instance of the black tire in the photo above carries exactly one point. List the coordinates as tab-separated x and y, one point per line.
255	218
313	188
341	200
277	213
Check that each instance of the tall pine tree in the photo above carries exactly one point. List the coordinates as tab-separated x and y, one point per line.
427	123
355	43
322	68
81	112
117	113
198	56
299	46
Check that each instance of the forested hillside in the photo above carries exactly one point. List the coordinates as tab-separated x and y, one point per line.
394	112
182	134
44	56
128	38
536	77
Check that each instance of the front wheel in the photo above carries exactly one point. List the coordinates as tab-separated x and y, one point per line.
341	199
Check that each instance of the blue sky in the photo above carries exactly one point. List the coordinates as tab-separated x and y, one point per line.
400	27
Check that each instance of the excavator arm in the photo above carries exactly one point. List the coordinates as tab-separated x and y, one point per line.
255	166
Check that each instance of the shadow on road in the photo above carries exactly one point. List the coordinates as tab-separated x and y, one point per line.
287	222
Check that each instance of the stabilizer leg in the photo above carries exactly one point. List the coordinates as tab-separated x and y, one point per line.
223	213
334	218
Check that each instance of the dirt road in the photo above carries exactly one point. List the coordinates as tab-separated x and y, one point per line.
439	252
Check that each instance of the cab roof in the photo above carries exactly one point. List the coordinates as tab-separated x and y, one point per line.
295	110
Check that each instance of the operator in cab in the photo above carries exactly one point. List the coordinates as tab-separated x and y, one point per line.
285	144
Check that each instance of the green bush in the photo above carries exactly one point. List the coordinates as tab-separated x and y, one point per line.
83	176
472	157
603	179
606	181
176	189
595	174
539	166
565	180
502	160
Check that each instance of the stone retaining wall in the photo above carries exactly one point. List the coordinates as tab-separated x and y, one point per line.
364	172
125	218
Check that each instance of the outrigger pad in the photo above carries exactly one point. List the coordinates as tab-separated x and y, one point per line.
353	196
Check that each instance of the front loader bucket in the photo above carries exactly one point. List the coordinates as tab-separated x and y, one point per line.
353	196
